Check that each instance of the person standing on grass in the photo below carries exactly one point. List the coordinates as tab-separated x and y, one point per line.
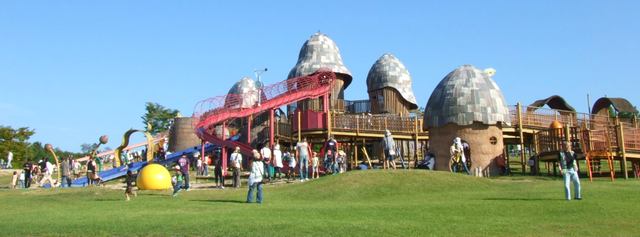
76	166
315	162
205	165
291	159
277	161
199	165
389	149
217	171
265	152
303	151
14	179
331	148
91	171
65	172
236	165
28	166
255	178
569	170
183	163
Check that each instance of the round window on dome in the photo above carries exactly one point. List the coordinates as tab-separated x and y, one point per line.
493	140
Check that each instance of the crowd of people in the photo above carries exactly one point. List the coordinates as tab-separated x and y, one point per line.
265	164
40	173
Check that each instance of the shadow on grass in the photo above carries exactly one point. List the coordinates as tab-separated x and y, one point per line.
220	201
109	199
522	199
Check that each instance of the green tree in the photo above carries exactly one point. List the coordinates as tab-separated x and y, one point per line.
15	140
158	117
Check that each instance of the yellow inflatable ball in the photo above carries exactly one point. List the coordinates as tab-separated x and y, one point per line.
154	177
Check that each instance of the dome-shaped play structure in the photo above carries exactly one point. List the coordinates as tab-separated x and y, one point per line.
153	177
318	52
247	91
467	103
389	87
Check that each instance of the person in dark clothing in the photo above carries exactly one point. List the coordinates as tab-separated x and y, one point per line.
28	166
331	149
217	171
183	164
129	190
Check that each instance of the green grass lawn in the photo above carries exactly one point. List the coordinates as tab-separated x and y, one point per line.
359	203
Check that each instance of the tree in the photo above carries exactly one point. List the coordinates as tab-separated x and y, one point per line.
158	117
86	148
15	140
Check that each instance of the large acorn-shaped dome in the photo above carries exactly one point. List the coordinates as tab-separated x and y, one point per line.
388	71
464	96
320	52
248	89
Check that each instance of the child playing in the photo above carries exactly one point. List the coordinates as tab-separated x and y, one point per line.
292	165
21	179
14	180
315	172
129	190
177	181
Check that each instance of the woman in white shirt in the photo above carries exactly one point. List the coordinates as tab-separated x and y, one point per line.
277	161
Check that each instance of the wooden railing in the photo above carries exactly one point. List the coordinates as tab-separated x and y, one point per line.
631	138
375	123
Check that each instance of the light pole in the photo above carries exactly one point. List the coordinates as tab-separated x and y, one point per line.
259	83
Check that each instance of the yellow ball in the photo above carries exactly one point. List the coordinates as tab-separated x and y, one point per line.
154	177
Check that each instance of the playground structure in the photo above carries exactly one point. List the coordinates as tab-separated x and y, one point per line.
601	135
359	125
125	142
251	115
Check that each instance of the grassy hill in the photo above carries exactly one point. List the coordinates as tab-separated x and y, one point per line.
359	203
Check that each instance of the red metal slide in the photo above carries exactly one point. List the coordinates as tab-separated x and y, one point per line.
217	110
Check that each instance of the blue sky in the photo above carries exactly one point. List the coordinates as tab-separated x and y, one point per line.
74	70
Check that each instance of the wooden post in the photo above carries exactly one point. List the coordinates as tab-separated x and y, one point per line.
248	129
329	125
272	121
416	151
385	123
623	151
357	125
355	154
520	134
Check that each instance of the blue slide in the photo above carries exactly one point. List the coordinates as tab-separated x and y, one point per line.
136	166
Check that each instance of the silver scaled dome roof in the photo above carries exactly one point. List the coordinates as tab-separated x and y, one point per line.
248	88
388	71
320	52
464	96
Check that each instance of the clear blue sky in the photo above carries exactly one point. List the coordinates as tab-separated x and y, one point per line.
74	70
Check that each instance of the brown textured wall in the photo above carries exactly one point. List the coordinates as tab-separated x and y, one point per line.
391	102
181	135
483	153
337	92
